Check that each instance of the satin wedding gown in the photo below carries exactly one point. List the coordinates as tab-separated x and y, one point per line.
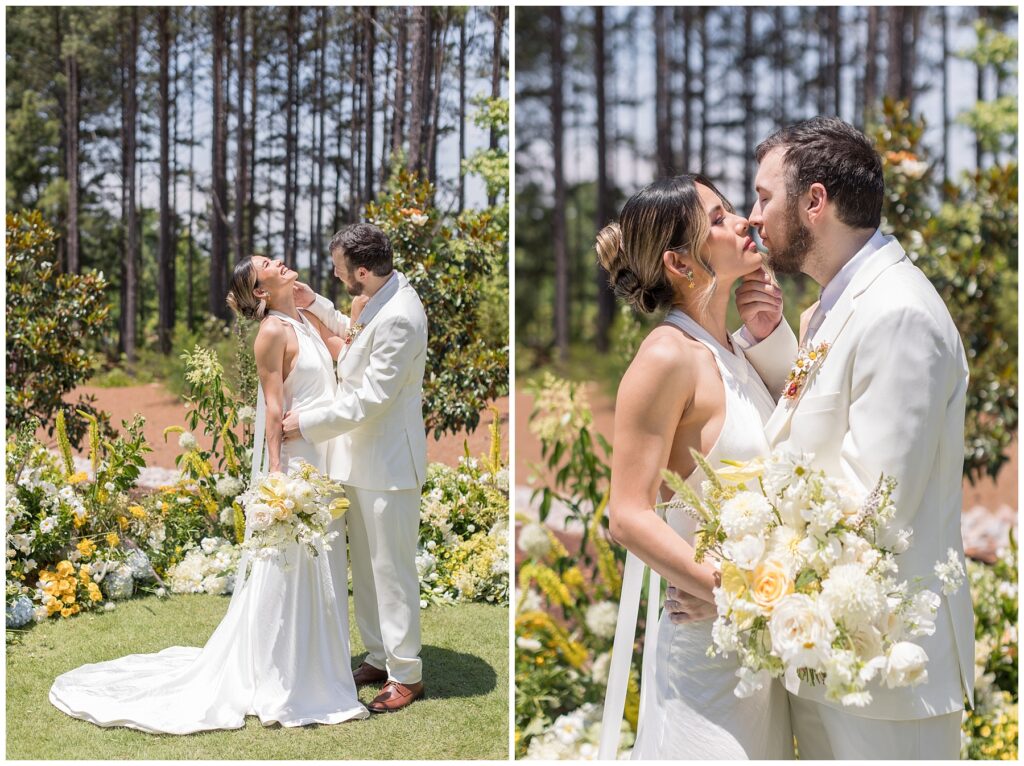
282	650
688	710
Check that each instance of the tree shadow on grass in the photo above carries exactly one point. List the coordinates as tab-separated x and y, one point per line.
448	674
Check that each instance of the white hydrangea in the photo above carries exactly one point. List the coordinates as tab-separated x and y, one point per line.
534	541
601	618
950	573
229	486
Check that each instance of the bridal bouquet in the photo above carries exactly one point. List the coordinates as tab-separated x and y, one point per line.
296	507
809	584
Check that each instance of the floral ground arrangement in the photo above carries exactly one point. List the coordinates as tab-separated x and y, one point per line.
93	541
567	593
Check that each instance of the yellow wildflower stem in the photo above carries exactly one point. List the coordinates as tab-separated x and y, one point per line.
607	566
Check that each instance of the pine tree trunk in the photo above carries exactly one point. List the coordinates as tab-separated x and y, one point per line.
318	235
241	159
438	49
250	205
74	265
705	67
420	33
165	256
190	256
558	214
398	121
662	115
291	162
129	256
370	41
218	223
944	21
686	161
462	110
605	296
871	67
500	15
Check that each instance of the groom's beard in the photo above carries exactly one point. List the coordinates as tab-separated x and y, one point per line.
355	287
790	257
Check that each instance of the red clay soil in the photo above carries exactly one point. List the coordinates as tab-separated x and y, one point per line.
161	409
986	493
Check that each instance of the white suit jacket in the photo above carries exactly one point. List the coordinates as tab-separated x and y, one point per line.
378	409
890	398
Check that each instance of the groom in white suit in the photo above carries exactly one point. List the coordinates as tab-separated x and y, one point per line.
380	456
888	398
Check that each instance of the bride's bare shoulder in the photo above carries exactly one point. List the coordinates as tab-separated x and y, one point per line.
665	364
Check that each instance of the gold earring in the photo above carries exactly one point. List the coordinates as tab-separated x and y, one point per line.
689	276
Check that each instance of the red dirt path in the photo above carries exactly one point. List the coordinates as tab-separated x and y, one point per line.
161	409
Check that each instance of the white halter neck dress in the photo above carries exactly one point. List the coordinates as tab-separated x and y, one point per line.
282	650
688	710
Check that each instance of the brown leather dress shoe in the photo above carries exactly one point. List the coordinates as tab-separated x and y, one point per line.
368	674
395	696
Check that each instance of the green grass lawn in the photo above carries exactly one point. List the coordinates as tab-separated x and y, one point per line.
464	715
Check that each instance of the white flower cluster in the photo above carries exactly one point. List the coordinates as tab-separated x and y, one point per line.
228	486
809	587
284	509
207	568
575	736
534	541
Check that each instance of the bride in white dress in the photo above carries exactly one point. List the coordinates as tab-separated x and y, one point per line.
680	245
282	650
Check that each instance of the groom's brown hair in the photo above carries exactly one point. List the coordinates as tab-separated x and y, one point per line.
364	246
831	152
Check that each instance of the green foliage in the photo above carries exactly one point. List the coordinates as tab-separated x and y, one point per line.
990	729
968	249
55	322
448	264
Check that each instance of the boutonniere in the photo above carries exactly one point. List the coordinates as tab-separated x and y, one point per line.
808	359
353	333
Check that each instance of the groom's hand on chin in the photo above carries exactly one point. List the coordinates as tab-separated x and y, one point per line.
682	607
290	426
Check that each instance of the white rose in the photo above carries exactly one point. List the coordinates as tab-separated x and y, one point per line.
906	665
745	553
260	516
801	631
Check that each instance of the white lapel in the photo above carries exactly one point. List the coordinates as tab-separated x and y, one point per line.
833	324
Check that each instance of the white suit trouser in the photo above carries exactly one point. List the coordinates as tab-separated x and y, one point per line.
826	733
383	528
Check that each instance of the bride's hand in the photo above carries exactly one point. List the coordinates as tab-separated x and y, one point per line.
682	607
759	303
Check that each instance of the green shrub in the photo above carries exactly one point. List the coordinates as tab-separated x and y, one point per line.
55	322
449	265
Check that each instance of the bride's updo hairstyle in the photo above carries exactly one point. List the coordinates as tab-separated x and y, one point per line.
241	295
667	215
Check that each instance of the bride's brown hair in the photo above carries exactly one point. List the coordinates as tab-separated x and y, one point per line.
667	215
242	297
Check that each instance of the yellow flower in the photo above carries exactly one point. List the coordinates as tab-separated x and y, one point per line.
137	511
573	578
65	568
113	540
734	581
66	612
338	507
122	521
79	520
771	584
86	547
78	477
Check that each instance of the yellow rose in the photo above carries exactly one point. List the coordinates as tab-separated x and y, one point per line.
113	540
771	585
734	581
